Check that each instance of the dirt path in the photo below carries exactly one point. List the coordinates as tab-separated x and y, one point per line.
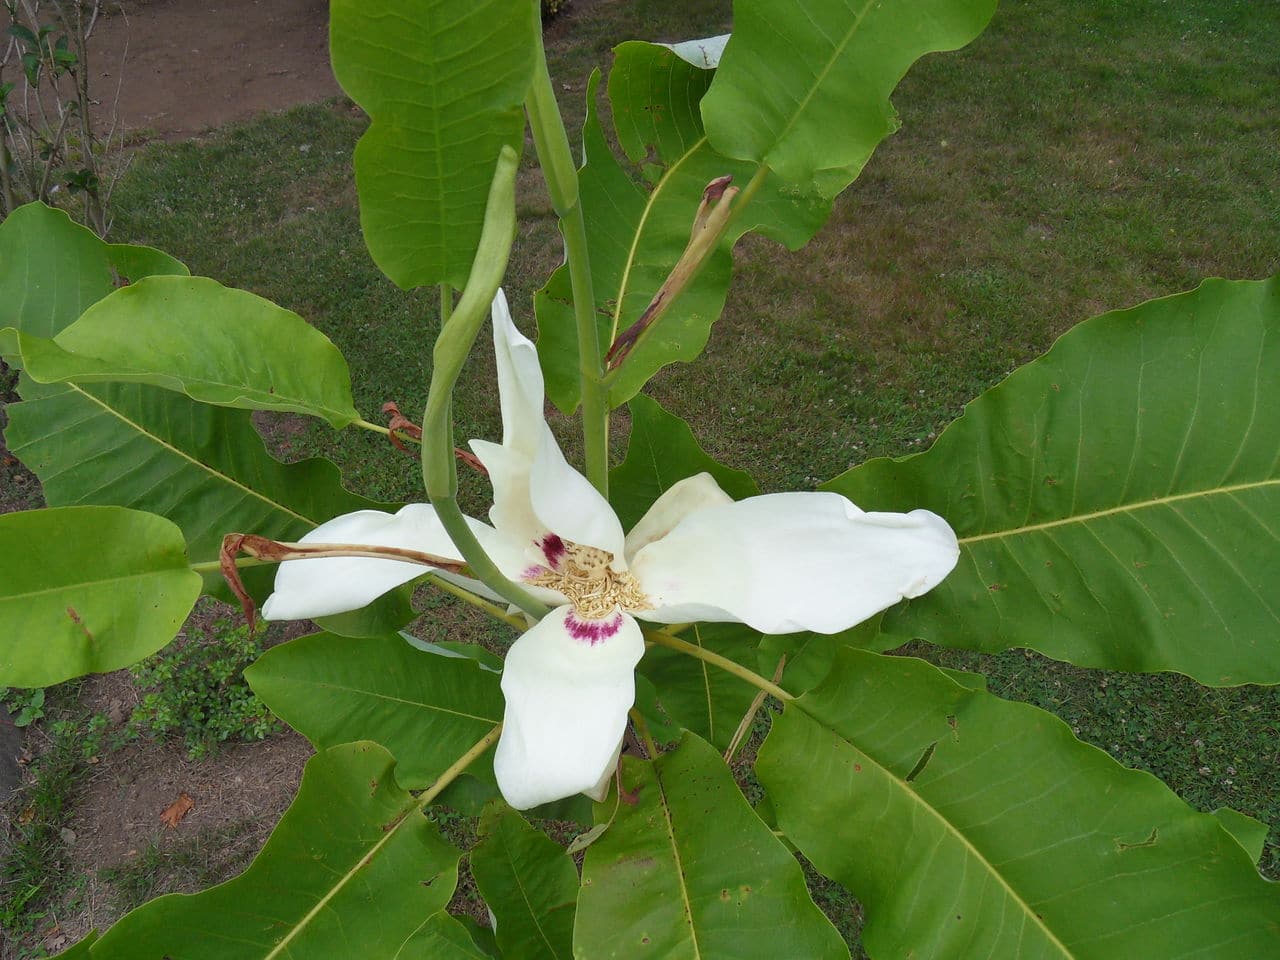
183	66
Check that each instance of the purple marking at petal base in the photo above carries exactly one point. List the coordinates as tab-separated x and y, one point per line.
592	631
553	549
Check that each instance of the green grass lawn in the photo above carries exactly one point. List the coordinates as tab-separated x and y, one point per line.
1076	158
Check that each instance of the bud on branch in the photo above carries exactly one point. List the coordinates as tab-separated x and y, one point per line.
709	224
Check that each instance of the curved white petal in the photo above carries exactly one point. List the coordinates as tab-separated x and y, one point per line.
569	505
701	53
317	588
520	387
793	561
677	502
512	513
567	702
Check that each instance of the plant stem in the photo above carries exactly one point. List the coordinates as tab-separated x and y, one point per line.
465	595
561	175
643	729
439	472
664	639
446	303
459	765
215	566
366	425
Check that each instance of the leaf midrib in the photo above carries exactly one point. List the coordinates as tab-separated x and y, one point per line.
650	202
229	480
340	688
818	80
1117	510
905	789
675	855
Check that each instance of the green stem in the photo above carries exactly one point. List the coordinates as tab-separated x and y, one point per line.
459	766
465	595
561	175
439	471
446	303
664	639
373	427
215	566
643	729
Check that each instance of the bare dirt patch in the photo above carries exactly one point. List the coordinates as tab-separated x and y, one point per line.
181	67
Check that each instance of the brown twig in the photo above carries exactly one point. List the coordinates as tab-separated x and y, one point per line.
275	551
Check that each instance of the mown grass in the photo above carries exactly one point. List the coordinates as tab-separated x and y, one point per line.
1076	158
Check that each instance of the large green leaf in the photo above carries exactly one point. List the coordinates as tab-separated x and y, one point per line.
203	467
637	234
1117	500
687	870
443	83
662	451
427	709
88	590
804	86
529	883
971	826
353	870
193	335
52	269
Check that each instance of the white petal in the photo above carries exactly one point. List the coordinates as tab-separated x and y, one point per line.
701	53
567	703
676	503
317	588
568	505
512	513
520	387
793	561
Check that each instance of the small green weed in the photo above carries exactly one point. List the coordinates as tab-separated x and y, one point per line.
34	872
26	706
195	691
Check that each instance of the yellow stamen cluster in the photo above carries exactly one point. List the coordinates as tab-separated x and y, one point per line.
593	587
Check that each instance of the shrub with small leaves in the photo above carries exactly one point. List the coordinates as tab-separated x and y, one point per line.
195	691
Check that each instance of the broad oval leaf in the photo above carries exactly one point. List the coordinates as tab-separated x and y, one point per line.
443	84
804	86
193	335
687	870
352	870
205	468
1117	500
529	883
638	233
88	590
427	709
52	269
973	826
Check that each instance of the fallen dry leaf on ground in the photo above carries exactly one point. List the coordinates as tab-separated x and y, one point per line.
177	810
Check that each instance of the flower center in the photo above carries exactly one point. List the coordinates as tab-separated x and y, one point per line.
583	575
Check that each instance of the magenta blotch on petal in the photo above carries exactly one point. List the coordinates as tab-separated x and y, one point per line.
592	631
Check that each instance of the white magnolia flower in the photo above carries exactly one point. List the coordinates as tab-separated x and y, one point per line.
780	563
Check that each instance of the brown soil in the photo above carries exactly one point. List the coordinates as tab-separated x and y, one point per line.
181	67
